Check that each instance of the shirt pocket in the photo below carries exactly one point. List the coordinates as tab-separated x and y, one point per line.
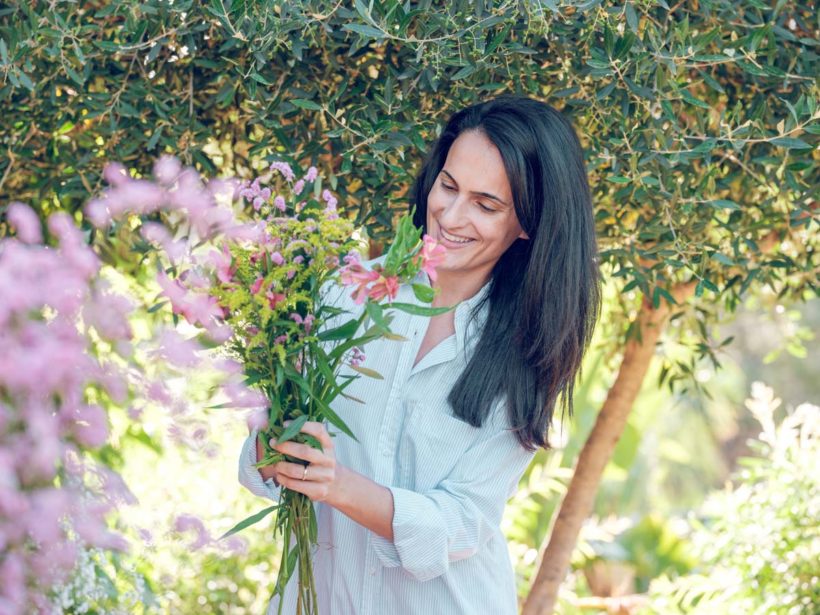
432	444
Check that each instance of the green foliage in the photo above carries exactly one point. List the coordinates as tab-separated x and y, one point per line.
699	120
759	541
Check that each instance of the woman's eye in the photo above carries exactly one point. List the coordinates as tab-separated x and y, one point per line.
485	208
446	187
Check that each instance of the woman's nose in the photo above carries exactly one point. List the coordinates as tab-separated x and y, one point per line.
453	213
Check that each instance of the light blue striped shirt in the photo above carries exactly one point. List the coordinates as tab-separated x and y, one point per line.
450	483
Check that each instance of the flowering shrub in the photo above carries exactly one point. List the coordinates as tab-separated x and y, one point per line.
67	355
257	290
758	541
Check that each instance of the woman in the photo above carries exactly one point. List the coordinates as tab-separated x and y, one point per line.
409	515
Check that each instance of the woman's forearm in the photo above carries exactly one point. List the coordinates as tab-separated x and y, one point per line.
363	500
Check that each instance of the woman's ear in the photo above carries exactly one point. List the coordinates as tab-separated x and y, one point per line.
523	235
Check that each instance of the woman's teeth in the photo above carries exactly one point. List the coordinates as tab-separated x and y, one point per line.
454	238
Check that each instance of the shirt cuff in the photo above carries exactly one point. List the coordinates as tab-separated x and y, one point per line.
415	521
250	477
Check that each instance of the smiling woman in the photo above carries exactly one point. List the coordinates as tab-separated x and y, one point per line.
409	513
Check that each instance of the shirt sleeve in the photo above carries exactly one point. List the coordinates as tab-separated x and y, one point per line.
456	518
249	476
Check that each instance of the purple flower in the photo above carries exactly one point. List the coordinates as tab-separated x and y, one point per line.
277	259
299	186
312	174
284	169
25	222
166	169
279	203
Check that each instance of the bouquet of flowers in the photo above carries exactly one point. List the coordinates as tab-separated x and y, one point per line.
271	292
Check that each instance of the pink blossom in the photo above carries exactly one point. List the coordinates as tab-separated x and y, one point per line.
298	187
274	299
25	222
384	287
356	275
258	419
115	174
91	427
284	169
277	259
312	174
357	356
257	284
222	263
432	255
166	169
279	203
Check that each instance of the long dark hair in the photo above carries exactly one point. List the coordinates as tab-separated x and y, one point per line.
545	293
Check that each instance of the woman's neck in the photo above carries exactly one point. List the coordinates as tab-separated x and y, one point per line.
456	288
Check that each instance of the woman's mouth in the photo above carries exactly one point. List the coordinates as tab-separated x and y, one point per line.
448	240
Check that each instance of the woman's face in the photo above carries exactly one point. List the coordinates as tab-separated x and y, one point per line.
470	209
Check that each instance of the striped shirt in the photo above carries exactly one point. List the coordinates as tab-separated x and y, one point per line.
450	483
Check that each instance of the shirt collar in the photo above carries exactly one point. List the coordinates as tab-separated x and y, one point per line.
468	326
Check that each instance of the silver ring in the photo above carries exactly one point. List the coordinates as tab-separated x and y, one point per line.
304	473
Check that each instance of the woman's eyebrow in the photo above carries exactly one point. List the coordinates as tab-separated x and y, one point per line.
485	194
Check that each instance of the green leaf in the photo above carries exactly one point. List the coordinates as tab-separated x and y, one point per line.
376	312
631	18
465	71
790	143
342	332
424	293
254	518
305	104
334	418
366	371
364	30
724	204
292	429
313	527
694	101
418	310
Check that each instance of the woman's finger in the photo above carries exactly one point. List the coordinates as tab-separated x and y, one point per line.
317	492
319	431
294	470
302	451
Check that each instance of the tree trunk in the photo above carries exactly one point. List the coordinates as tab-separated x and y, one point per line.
580	497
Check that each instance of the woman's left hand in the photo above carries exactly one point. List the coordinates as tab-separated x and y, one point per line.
320	483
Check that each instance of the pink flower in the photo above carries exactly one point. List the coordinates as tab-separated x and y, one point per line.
276	258
356	275
312	174
279	203
384	287
358	356
432	255
166	169
284	169
274	299
25	222
115	174
222	262
257	284
299	186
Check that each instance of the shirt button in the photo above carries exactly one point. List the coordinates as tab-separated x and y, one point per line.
385	452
